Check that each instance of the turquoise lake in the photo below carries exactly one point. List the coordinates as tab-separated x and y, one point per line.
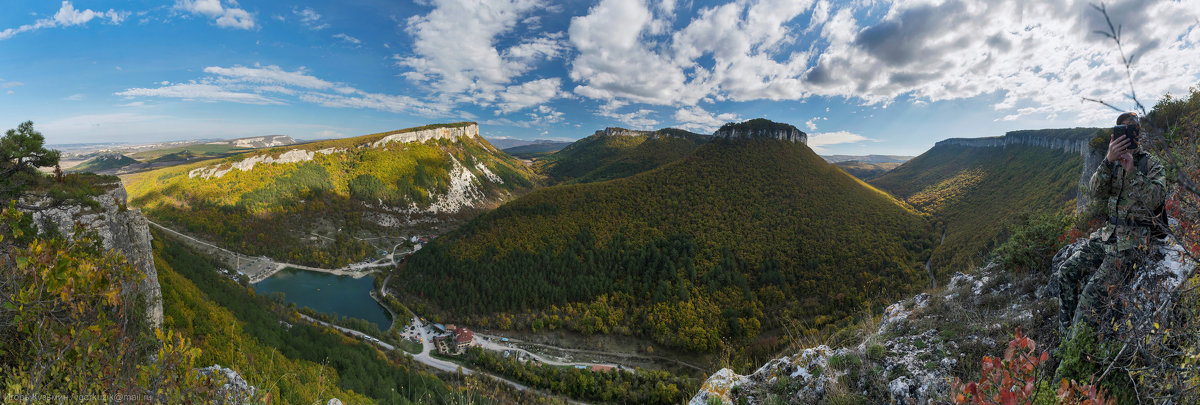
326	293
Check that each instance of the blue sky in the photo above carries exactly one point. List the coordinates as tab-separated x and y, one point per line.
863	76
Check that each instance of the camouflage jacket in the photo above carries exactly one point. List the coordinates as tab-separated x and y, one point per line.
1127	200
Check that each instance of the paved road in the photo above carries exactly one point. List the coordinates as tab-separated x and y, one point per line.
423	357
269	266
593	352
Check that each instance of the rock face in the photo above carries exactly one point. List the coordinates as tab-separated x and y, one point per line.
234	389
258	141
302	155
1069	144
451	133
1091	162
120	228
783	132
910	355
617	131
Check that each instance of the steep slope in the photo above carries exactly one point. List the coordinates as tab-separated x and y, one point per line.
315	203
977	187
748	233
617	152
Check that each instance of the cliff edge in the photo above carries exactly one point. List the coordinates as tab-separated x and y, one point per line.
119	228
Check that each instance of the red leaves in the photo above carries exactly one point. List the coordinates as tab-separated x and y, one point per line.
1010	380
1014	379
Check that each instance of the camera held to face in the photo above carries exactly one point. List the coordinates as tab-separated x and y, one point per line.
1130	132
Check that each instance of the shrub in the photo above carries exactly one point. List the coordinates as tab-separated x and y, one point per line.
1033	242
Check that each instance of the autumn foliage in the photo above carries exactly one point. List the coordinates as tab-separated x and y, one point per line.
1017	378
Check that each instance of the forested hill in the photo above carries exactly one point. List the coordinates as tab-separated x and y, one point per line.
617	152
717	249
290	202
978	188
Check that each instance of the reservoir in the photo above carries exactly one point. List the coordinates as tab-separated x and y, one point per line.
326	293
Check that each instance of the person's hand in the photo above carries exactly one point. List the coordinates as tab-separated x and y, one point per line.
1117	147
1126	161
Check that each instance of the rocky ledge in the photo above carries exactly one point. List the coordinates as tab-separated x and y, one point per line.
761	128
119	228
913	353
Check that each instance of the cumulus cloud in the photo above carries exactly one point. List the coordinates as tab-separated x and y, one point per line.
224	17
818	141
455	53
247	85
638	119
310	18
528	94
67	16
696	119
1041	57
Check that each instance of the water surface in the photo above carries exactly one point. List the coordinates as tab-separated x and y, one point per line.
326	293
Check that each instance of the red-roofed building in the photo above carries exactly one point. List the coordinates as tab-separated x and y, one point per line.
599	369
463	337
456	343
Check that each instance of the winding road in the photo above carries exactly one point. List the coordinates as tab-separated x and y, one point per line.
259	268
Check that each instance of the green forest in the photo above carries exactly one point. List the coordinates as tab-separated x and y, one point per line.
272	348
977	194
273	209
737	239
604	157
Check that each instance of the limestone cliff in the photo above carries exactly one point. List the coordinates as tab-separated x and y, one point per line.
761	128
118	227
1073	140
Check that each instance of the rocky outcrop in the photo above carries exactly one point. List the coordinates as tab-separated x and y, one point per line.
258	141
617	131
119	228
302	155
451	133
909	356
761	129
1091	162
233	390
1073	140
291	156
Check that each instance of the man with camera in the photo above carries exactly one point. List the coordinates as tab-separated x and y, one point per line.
1127	189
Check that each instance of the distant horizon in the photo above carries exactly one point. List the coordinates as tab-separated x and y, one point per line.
859	77
302	140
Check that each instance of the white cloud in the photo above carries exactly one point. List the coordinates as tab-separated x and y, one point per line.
269	74
225	17
696	119
310	18
818	141
132	127
246	85
133	104
199	92
1041	57
67	16
455	50
966	48
639	119
347	38
8	84
76	97
528	94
